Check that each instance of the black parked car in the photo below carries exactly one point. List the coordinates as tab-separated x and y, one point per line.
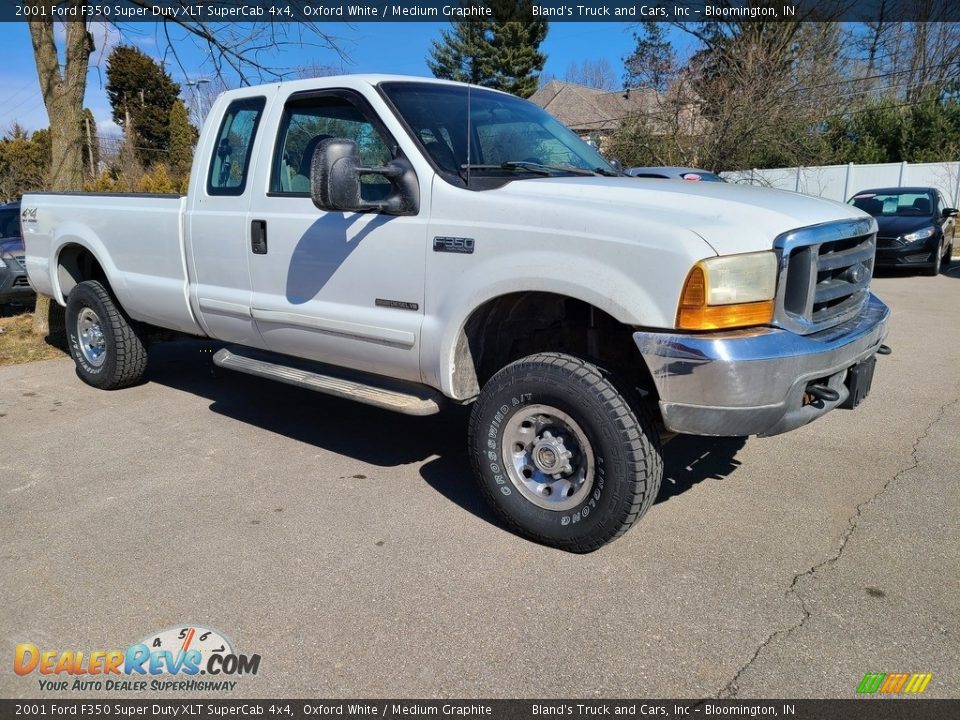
916	228
14	286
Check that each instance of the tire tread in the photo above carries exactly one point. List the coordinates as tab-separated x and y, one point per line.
645	464
130	352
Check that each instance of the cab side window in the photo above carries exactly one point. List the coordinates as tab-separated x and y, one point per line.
231	155
306	123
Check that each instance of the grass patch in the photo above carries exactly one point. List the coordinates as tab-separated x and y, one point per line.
18	344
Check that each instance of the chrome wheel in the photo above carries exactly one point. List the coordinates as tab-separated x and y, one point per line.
93	345
548	457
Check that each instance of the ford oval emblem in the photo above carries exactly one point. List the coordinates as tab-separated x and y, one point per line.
855	273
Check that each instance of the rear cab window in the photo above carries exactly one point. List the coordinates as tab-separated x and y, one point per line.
230	163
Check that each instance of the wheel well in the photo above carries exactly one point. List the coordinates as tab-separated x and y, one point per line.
76	264
513	326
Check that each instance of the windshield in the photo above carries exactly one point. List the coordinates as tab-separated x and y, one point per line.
10	223
503	135
895	204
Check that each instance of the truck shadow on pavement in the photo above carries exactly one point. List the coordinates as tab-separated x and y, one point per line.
384	439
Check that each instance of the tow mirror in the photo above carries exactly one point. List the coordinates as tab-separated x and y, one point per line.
335	172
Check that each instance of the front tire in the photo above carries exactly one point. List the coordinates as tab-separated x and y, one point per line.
934	269
560	453
105	343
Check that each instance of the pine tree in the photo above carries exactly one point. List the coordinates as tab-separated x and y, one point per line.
142	90
501	52
652	63
462	53
517	60
183	136
25	162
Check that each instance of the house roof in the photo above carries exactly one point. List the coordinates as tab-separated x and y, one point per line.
583	109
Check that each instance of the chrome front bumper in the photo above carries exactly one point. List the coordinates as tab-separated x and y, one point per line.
754	382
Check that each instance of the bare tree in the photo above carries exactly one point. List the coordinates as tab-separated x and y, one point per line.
240	49
597	74
907	60
748	96
315	70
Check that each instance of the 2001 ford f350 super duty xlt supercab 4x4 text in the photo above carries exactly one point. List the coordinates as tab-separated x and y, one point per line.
407	242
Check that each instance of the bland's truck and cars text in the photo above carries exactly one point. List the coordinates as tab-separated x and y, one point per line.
408	243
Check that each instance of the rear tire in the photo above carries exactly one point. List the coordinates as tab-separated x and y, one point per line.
560	453
105	343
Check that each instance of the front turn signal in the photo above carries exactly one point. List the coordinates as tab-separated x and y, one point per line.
729	292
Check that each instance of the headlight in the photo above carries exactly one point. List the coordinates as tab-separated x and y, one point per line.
3	264
921	234
728	292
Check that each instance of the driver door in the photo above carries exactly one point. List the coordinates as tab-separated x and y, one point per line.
341	288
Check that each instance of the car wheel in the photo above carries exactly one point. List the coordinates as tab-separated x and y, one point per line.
560	453
104	342
934	269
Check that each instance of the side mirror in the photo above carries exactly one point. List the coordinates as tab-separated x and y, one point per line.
335	172
949	212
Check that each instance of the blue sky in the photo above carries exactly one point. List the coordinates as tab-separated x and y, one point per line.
369	46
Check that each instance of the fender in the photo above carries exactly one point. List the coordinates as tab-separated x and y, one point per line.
444	322
74	233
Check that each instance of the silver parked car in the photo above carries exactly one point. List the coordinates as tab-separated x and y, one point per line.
14	286
675	173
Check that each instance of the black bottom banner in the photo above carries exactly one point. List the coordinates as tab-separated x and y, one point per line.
853	709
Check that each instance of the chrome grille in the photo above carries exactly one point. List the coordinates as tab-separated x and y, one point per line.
825	273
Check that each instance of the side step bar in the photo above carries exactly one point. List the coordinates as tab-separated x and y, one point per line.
405	398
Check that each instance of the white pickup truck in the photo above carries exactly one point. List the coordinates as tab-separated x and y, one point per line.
409	243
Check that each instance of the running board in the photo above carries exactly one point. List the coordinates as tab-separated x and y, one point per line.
405	398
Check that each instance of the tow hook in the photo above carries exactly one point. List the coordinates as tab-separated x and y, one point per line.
884	350
822	392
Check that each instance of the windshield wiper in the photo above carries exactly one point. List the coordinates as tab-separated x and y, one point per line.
525	166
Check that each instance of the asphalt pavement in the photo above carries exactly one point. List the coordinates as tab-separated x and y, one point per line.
348	547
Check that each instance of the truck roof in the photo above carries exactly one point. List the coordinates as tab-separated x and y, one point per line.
367	79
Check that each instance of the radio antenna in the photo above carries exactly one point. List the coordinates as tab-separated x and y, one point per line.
469	130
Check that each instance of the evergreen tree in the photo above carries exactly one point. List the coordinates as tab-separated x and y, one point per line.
463	52
141	90
183	136
25	162
502	52
652	64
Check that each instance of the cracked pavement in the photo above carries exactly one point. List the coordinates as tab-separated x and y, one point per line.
349	548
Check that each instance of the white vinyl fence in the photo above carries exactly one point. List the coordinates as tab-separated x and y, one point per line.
840	182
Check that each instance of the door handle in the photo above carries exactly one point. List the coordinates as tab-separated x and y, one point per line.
258	237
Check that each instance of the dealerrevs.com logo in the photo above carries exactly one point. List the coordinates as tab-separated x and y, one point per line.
170	660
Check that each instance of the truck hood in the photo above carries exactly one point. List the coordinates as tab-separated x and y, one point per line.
730	218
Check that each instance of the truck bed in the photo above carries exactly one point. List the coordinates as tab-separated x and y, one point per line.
137	238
